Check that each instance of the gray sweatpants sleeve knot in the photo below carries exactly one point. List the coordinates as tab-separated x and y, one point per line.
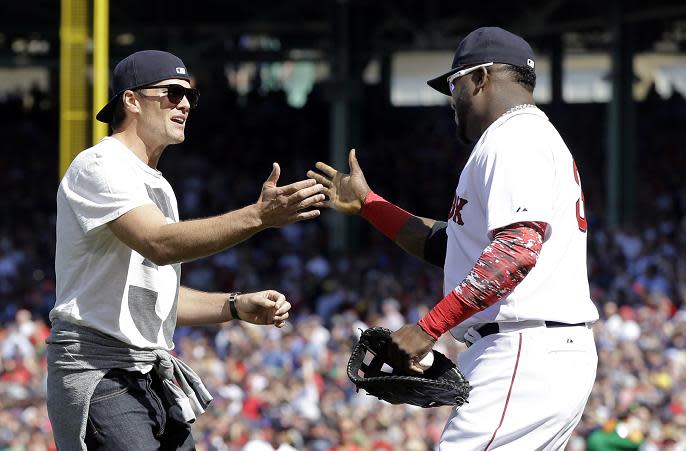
190	397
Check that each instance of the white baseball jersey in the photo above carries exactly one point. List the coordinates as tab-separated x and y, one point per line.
521	170
101	282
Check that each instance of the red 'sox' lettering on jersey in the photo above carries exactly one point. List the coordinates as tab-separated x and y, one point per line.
456	209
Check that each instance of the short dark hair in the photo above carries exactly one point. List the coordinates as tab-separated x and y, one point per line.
524	75
118	114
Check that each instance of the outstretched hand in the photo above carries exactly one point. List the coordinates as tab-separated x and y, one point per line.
263	307
283	205
345	192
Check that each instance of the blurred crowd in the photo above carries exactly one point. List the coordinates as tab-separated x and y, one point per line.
288	389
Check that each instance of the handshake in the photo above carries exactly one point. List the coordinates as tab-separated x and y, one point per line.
325	188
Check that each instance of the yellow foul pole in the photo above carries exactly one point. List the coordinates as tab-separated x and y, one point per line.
73	80
101	69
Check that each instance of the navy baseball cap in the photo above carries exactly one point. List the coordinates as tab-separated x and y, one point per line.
486	45
140	69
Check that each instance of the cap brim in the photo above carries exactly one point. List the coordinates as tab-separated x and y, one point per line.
440	83
105	114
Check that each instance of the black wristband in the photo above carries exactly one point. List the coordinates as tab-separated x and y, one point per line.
232	305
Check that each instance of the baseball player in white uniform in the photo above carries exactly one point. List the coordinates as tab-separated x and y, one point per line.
513	252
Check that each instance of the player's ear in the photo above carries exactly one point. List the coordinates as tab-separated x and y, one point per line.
480	78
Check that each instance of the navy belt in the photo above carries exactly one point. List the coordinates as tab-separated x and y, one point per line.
494	328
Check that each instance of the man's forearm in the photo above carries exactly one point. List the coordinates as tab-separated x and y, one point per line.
188	240
199	307
406	230
425	239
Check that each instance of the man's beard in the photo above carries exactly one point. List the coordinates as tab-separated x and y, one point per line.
461	136
462	106
461	133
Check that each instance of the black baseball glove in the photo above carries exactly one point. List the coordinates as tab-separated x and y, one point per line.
442	384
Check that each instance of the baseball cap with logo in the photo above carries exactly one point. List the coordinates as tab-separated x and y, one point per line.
140	69
486	45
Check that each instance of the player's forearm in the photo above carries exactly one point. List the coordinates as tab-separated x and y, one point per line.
408	231
188	240
425	239
500	268
199	307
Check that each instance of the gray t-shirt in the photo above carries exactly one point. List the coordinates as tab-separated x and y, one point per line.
101	282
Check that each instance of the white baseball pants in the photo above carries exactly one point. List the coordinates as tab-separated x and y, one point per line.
530	387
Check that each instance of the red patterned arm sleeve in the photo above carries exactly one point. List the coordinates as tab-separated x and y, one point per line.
503	264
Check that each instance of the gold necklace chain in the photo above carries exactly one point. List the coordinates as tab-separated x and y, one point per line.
517	108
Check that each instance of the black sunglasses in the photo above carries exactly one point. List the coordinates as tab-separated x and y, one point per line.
176	93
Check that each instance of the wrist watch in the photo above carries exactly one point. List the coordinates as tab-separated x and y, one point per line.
232	305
